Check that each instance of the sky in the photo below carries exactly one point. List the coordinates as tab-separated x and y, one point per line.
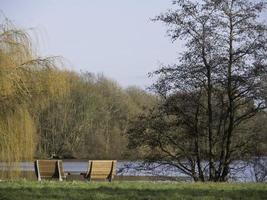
116	38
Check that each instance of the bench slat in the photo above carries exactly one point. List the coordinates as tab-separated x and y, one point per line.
49	169
101	169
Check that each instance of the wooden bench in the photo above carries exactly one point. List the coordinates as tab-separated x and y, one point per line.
100	170
49	169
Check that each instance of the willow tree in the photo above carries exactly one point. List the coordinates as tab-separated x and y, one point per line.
214	88
25	85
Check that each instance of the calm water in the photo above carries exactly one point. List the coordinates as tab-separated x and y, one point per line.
240	172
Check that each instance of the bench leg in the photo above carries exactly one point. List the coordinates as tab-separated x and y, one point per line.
59	171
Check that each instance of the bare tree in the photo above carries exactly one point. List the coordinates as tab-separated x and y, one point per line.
213	90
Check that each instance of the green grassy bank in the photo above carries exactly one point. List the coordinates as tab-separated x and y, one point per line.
48	190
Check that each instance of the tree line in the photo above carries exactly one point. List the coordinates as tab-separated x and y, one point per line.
48	111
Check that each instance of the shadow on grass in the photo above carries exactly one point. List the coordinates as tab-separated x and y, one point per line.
49	193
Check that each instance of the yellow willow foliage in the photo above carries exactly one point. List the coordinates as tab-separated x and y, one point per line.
27	84
47	85
17	134
61	79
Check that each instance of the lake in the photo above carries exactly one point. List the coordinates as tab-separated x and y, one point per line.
240	171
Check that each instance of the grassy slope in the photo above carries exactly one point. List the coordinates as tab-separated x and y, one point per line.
26	190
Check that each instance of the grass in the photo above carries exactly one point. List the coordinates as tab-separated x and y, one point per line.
77	190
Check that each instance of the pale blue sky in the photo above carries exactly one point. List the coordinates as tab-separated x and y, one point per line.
114	37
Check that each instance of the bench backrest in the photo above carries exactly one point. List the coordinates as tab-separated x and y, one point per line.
101	169
49	169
